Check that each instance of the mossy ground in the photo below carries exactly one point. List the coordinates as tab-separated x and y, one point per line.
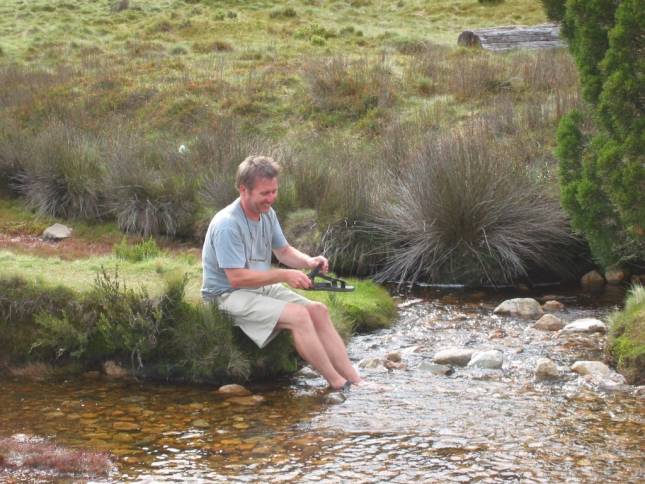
627	337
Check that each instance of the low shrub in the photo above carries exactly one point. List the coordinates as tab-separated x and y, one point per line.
464	213
627	337
349	88
284	12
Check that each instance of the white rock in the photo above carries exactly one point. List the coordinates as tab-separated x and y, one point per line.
523	307
585	325
453	356
549	322
492	360
596	369
546	369
57	232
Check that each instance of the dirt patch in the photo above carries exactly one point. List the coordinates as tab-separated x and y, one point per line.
68	249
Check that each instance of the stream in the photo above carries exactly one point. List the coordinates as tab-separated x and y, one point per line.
472	425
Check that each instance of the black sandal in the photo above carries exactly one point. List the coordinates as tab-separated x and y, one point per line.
330	284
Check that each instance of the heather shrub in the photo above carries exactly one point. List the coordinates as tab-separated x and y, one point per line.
465	213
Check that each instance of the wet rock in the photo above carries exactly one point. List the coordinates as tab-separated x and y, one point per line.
394	365
523	307
114	370
546	370
616	276
453	356
497	334
552	305
585	325
308	373
596	369
125	426
435	368
247	401
57	232
409	302
200	423
234	390
549	322
492	360
592	279
370	363
394	356
334	398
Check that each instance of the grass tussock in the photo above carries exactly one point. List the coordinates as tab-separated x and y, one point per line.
465	213
627	337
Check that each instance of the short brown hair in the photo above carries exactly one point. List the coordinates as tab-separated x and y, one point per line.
254	167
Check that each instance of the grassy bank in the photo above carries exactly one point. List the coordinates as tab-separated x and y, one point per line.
146	315
627	337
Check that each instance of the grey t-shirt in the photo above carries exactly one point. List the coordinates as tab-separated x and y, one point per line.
235	242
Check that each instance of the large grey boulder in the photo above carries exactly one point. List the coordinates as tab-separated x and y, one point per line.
453	356
492	360
523	307
57	232
585	325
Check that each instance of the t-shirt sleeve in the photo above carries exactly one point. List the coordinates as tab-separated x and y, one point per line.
278	240
229	248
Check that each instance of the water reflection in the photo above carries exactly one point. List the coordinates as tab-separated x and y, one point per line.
473	425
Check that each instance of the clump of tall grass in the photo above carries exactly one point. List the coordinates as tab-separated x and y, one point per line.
145	249
463	212
349	88
152	188
64	174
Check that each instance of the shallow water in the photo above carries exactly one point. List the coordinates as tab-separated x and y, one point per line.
471	426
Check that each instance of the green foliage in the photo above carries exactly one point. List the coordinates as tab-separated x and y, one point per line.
145	249
602	172
554	9
283	12
627	337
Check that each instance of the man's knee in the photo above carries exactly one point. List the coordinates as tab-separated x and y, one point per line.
295	317
317	311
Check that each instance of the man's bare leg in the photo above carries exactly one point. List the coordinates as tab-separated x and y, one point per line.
296	319
332	342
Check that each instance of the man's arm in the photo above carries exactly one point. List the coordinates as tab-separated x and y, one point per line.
292	257
241	278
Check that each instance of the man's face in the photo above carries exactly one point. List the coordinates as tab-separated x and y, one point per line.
263	194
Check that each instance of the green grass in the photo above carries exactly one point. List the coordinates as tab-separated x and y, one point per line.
79	274
627	337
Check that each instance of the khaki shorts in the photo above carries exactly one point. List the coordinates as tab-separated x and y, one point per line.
256	311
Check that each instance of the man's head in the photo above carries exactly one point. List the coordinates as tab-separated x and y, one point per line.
254	168
257	180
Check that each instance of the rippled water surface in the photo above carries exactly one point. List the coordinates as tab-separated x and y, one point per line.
470	426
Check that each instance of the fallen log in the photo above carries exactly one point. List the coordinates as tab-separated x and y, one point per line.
513	37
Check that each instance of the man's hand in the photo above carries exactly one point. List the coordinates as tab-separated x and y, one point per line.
296	279
317	261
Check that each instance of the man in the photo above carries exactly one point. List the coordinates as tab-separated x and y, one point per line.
238	276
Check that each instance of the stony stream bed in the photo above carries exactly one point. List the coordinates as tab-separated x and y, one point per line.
471	425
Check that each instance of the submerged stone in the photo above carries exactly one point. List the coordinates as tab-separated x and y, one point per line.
234	389
435	368
247	401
